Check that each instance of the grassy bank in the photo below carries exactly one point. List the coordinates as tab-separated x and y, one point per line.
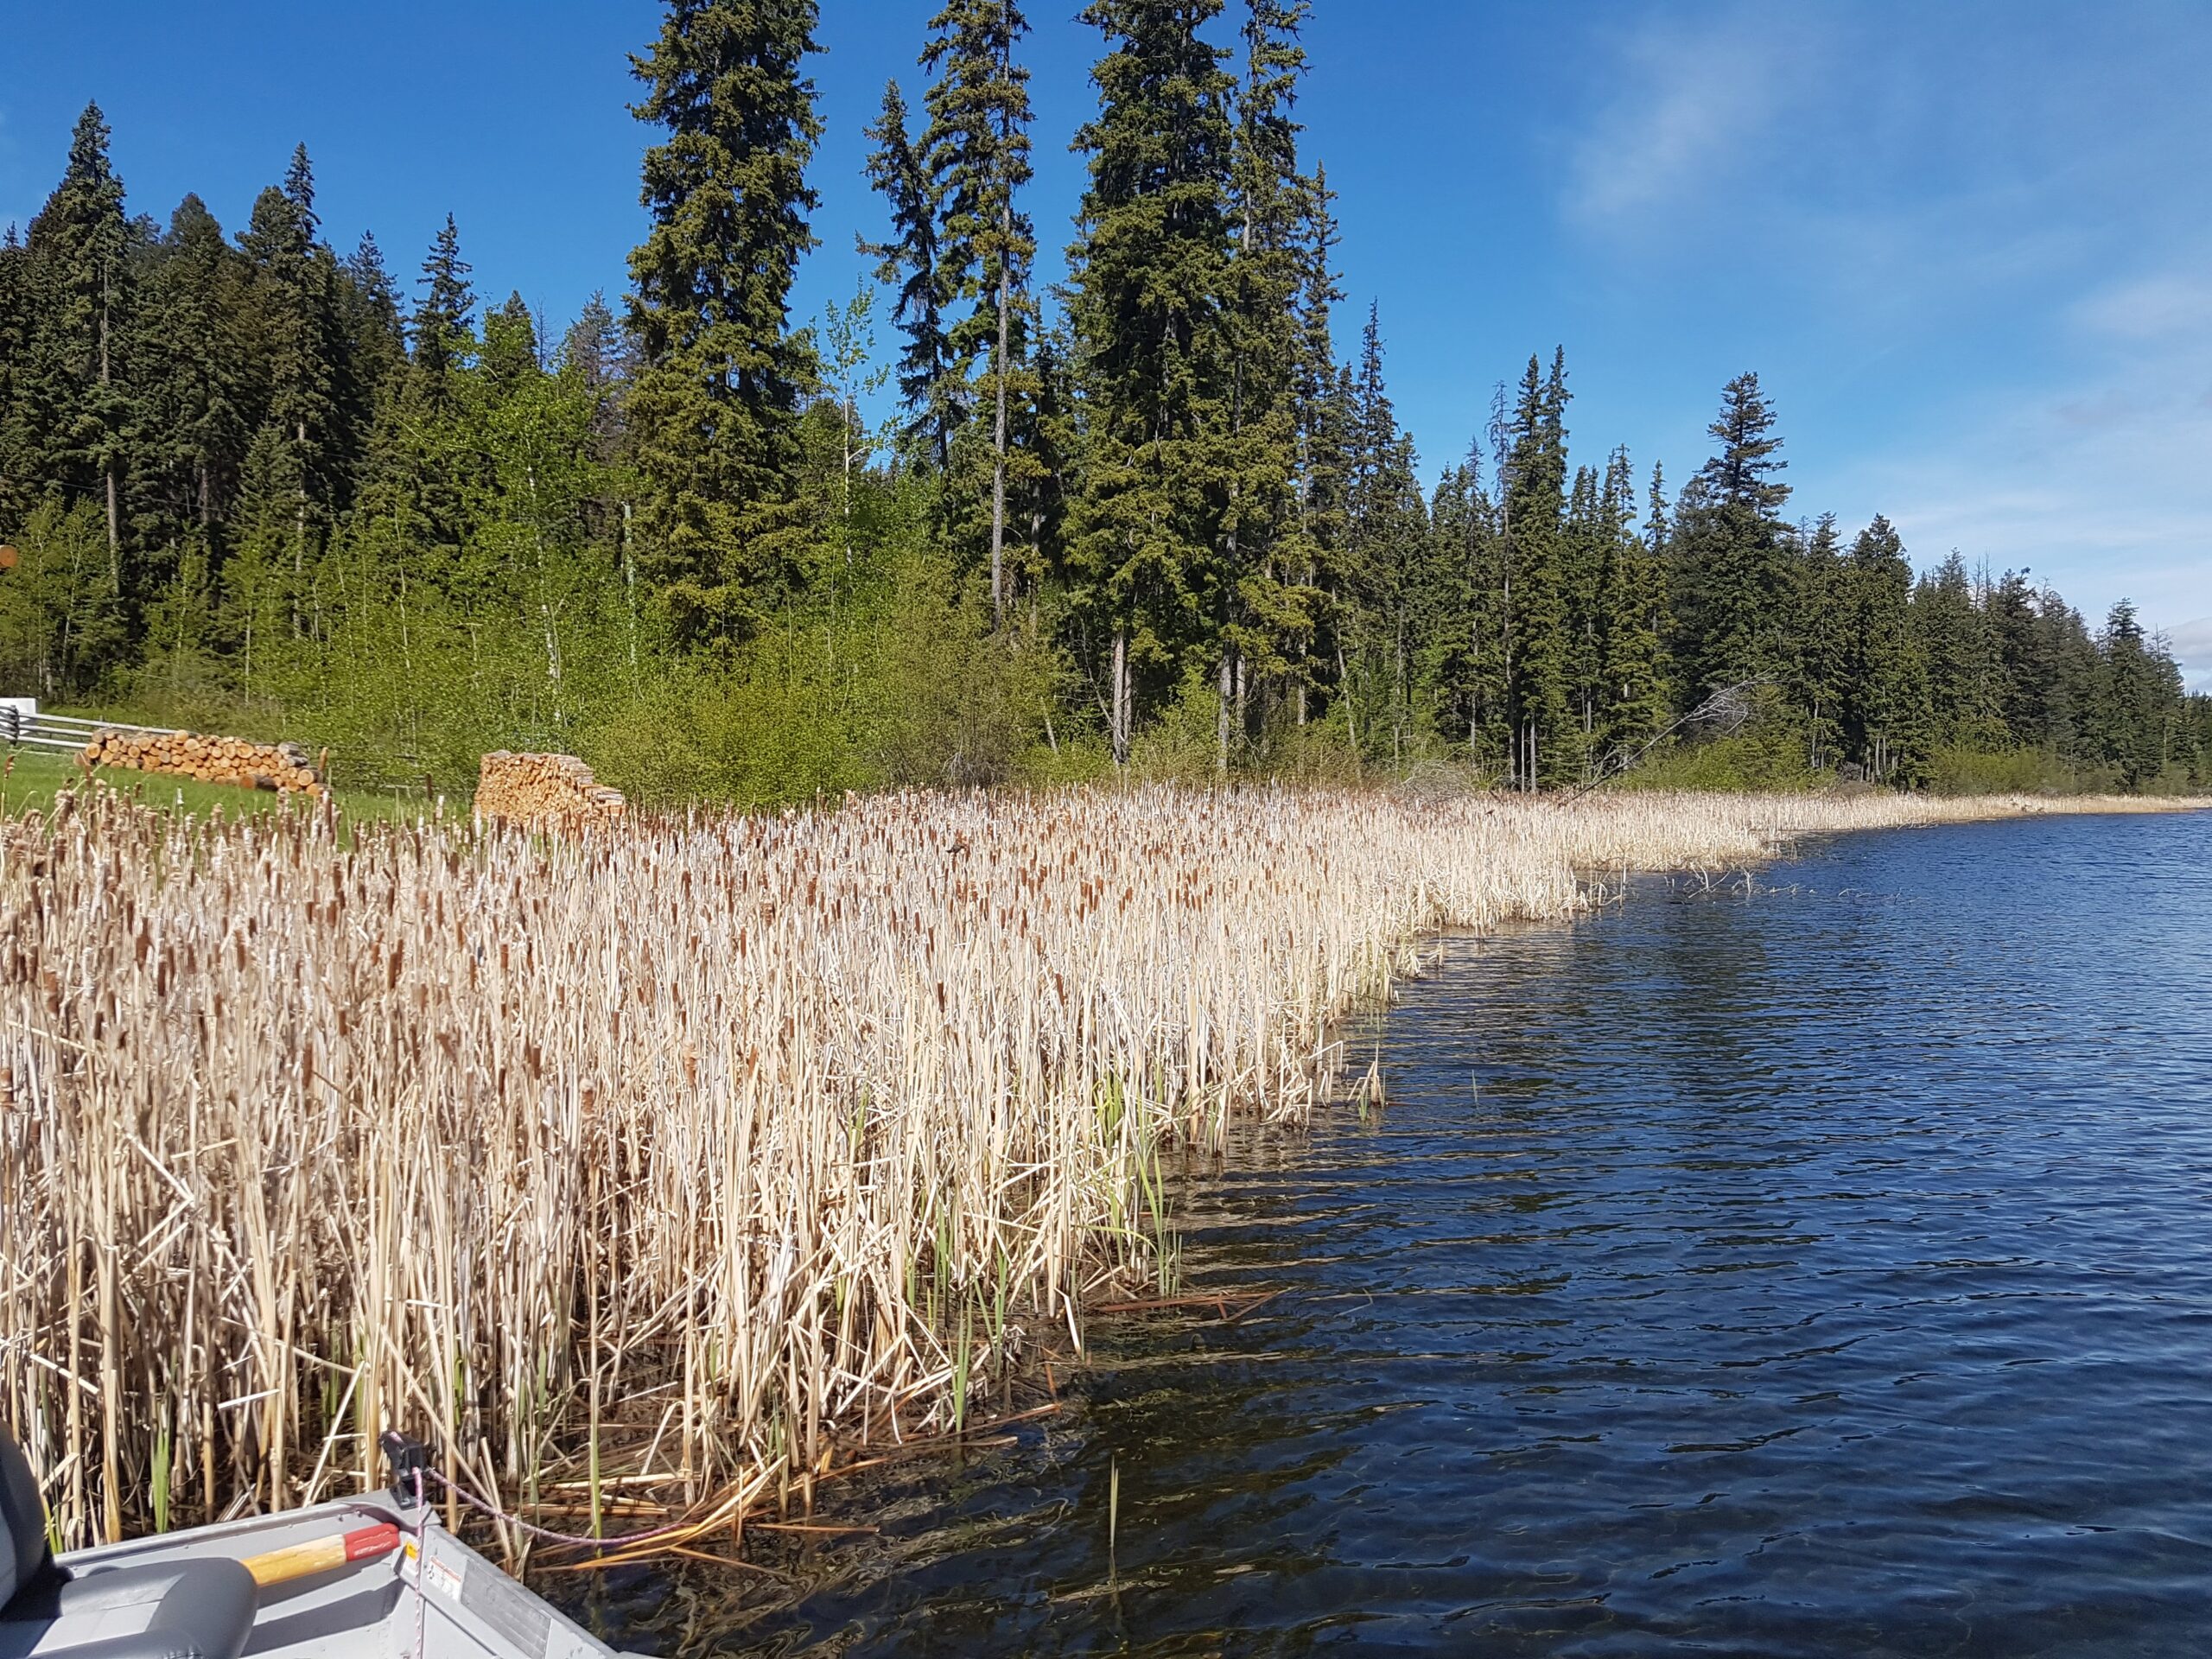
35	777
695	1151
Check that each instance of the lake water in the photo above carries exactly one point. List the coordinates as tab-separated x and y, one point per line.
1819	1268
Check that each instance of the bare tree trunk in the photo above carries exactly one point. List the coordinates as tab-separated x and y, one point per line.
998	435
299	531
107	463
1118	720
1221	720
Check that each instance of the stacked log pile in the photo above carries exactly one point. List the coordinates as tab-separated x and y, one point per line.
283	766
543	791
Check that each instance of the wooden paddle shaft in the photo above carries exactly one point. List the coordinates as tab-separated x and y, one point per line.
323	1555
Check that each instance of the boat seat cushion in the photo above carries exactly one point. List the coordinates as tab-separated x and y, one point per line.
22	1521
193	1609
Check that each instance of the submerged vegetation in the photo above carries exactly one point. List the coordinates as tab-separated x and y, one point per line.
1157	518
693	1152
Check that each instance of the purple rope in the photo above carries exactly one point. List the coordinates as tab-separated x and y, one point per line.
422	1566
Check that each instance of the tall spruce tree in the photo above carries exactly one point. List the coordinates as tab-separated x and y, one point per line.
1632	608
1313	550
1820	660
1148	275
1733	574
1965	673
72	383
977	151
376	349
17	431
909	262
198	402
1538	641
1262	598
2138	706
713	408
295	284
1885	710
1587	552
443	328
1464	666
1386	561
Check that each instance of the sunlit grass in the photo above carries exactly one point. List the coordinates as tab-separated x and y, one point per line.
33	776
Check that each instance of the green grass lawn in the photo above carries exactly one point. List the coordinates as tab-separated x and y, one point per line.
36	775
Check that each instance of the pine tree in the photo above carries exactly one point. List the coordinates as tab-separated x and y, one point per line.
1264	610
1632	608
375	337
2138	705
1387	560
298	322
714	406
1538	640
1465	664
1965	673
1658	519
18	437
1314	547
1148	275
509	358
1734	578
444	327
909	262
72	384
1587	552
196	409
1821	661
977	150
426	464
1886	712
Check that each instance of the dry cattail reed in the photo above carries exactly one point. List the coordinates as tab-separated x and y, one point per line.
668	1151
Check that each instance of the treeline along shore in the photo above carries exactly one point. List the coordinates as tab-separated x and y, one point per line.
1153	517
704	1151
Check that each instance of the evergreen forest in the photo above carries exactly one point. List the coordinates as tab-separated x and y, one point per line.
1161	516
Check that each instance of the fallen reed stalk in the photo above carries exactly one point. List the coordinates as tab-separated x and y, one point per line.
684	1150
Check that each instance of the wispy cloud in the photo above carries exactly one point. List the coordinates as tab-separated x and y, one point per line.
2192	646
2154	309
2096	476
1991	288
1680	119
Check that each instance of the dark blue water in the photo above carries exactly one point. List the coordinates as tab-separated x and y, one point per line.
1822	1269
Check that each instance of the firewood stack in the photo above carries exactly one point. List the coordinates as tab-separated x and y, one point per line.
283	766
543	791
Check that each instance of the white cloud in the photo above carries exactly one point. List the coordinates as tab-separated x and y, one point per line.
1686	111
2191	644
2153	307
2095	479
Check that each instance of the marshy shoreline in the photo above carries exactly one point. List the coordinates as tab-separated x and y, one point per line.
658	1173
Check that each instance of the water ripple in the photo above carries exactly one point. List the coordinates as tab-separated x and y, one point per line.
1819	1270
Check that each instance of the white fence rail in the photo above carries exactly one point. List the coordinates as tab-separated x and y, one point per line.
25	728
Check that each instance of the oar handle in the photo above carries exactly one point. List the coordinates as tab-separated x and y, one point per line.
323	1555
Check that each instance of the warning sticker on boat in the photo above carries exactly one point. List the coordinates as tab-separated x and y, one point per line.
442	1576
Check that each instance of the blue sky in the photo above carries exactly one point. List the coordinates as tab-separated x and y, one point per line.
1966	246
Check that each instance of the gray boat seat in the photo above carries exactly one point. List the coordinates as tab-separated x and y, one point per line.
200	1608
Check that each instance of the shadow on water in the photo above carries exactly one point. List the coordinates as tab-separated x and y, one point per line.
1821	1268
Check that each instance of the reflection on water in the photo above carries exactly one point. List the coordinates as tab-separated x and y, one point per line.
1822	1269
